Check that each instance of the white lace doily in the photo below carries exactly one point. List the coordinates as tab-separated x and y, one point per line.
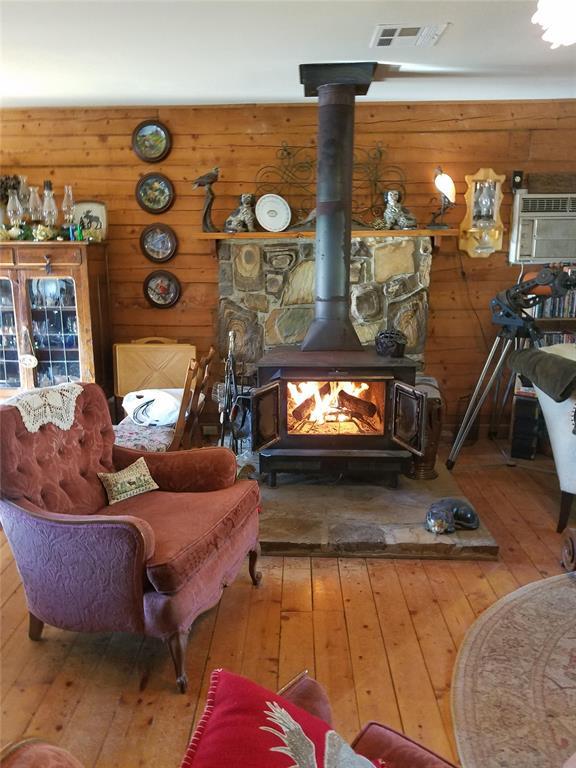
50	405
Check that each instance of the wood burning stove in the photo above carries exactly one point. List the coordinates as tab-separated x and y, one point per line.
336	412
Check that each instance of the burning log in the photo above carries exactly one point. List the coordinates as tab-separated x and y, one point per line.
356	406
306	407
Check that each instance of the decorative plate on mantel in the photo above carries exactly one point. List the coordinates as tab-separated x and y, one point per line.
273	213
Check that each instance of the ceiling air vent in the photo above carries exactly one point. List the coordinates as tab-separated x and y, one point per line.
407	35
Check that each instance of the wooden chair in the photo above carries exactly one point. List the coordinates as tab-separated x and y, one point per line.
192	436
143	437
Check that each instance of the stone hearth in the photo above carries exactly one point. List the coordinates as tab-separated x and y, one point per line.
267	291
314	515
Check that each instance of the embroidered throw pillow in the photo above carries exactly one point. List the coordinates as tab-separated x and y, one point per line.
247	726
128	482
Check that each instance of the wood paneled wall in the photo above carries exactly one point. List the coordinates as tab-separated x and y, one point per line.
91	149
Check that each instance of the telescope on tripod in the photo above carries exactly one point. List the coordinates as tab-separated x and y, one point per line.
509	312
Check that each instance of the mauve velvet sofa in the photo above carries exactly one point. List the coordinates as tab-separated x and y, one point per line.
149	564
375	741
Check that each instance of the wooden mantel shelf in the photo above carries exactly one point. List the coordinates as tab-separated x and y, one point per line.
292	234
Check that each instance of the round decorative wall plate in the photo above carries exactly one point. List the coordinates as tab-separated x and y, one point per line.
158	242
151	141
273	213
155	193
162	289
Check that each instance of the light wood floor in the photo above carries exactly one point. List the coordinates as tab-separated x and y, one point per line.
381	635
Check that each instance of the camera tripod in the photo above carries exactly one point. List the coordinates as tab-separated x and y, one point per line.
508	310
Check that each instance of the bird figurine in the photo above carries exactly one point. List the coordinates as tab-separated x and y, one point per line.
207	179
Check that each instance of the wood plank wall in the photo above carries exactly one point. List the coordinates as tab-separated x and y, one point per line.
91	149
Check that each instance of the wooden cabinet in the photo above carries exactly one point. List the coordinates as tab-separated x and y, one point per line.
54	308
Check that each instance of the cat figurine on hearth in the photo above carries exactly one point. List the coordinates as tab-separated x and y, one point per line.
243	219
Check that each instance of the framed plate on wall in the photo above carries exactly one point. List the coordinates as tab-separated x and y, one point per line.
158	242
92	218
154	193
151	141
162	289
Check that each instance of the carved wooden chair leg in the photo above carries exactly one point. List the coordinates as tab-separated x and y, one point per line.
255	575
178	644
566	500
35	627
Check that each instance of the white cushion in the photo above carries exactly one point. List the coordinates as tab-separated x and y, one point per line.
153	407
559	423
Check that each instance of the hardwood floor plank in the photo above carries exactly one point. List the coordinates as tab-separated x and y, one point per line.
436	644
546	563
475	585
419	710
375	692
334	670
453	603
500	577
522	568
296	645
22	699
326	588
9	581
13	611
229	637
262	649
297	584
109	686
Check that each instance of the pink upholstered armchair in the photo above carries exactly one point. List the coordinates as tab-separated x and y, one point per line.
149	564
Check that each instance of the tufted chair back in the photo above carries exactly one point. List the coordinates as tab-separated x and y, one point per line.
54	469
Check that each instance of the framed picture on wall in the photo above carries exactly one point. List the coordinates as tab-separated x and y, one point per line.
158	242
151	141
162	289
155	193
91	216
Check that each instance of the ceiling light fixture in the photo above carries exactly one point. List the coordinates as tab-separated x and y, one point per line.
558	20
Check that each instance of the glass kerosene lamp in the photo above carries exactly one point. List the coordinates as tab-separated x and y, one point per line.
35	206
49	207
68	206
14	209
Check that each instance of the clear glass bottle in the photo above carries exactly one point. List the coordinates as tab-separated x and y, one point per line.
35	206
68	205
49	207
14	209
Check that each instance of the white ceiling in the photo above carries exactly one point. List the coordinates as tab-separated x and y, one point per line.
109	52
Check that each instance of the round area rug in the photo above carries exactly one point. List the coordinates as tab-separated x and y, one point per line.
514	685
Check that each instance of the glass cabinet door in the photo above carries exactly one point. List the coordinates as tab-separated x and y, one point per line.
9	365
54	320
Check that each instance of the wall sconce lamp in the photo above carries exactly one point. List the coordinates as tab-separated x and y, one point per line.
481	230
445	186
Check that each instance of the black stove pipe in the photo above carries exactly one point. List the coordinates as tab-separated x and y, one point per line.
332	327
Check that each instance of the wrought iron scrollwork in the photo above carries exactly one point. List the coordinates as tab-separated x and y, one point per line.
293	177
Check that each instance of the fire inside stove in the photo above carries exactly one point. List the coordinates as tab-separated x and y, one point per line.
335	407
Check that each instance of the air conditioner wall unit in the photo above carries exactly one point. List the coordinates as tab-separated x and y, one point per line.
543	228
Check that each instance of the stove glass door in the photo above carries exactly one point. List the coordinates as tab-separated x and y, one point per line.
408	417
265	416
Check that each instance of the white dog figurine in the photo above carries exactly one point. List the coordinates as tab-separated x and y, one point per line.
243	218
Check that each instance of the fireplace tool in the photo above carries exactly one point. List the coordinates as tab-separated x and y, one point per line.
509	312
235	404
